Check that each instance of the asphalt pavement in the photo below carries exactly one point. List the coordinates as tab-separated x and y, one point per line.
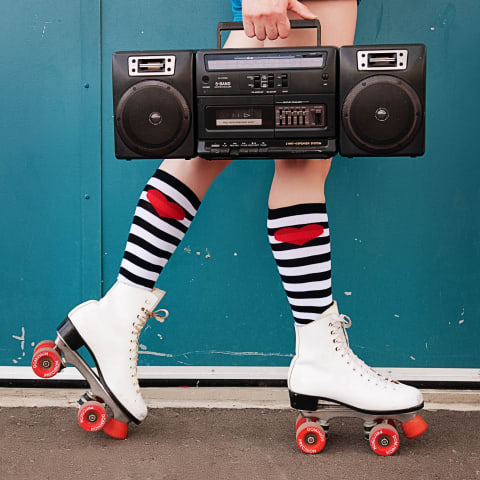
247	444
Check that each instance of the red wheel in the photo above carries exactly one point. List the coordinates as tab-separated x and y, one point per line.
46	362
44	344
384	439
92	417
116	429
414	427
301	420
311	438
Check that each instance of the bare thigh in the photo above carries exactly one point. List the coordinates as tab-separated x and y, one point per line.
338	19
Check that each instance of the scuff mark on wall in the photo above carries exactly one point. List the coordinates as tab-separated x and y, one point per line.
45	28
156	354
221	352
21	339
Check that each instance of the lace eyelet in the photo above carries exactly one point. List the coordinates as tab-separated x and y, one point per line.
330	324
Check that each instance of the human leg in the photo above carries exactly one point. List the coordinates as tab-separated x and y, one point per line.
297	195
324	365
110	327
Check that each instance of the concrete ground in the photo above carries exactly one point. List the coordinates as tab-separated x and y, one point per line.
222	443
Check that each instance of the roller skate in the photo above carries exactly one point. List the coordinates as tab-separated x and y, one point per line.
109	329
327	380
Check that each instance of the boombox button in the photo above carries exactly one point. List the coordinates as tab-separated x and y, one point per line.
263	150
234	152
224	151
214	150
244	151
253	150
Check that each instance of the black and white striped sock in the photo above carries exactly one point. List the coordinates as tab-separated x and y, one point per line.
164	212
300	241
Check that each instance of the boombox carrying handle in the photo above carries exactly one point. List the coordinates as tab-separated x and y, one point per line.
222	26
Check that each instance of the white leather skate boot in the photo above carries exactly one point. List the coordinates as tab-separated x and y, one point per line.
110	329
325	368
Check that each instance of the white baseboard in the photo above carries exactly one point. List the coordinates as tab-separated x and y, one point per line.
253	373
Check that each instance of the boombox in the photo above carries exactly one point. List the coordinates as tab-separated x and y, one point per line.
302	102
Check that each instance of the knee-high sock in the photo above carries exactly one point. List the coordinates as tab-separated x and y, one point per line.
164	212
300	241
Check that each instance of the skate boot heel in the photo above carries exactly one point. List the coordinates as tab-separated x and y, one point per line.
303	402
70	335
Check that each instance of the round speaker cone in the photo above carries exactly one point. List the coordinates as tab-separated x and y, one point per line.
153	118
382	114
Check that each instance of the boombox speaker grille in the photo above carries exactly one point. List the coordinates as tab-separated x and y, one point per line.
382	114
153	118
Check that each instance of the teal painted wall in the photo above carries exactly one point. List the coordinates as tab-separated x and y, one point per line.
405	232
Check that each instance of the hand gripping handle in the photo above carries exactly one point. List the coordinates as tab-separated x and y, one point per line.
222	26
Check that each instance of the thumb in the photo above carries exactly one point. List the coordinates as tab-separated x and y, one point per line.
300	9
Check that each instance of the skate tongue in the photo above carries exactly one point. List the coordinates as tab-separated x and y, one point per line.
159	294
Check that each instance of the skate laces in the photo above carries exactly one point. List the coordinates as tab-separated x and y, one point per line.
343	345
142	318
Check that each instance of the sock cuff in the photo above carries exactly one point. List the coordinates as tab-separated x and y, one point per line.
179	186
299	209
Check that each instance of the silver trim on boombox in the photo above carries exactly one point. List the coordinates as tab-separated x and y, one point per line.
389	60
157	65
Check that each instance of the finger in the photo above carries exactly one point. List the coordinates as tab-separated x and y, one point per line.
283	28
302	10
260	30
271	30
248	27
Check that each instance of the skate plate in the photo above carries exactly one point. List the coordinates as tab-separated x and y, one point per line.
312	427
51	357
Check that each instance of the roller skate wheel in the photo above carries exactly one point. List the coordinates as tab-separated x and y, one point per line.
92	416
116	429
384	439
301	420
415	427
46	362
44	344
311	438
